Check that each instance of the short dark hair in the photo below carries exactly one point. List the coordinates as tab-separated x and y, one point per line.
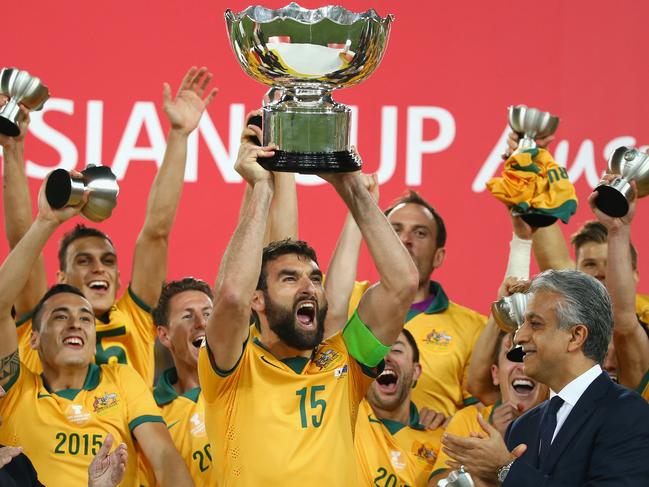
413	344
594	232
79	231
413	197
278	248
500	341
170	289
54	290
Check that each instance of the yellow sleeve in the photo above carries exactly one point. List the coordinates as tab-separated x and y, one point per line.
139	402
214	381
140	314
462	424
14	390
28	356
357	293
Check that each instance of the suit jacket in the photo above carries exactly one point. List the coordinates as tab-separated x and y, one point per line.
19	472
604	442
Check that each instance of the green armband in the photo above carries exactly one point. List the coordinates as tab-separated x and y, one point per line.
362	344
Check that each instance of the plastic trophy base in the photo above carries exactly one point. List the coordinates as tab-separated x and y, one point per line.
611	201
538	221
7	127
311	162
516	354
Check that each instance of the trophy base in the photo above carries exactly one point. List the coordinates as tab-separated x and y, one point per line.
311	162
611	201
538	221
7	127
515	354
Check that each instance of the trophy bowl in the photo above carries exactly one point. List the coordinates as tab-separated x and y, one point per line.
63	189
305	55
531	124
629	164
21	88
509	311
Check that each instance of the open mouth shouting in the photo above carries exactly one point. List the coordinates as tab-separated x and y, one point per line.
198	341
99	286
523	387
305	314
387	381
75	342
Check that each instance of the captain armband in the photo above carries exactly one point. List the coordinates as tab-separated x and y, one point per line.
362	344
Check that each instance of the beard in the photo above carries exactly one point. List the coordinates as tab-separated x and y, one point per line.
283	323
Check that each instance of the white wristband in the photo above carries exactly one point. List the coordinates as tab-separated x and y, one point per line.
520	251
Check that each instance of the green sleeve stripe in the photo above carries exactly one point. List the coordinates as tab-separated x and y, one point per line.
643	383
437	472
362	344
470	401
138	301
14	379
216	369
24	318
147	418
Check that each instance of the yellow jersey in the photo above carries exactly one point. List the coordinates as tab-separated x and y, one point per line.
185	418
389	453
445	333
463	423
61	431
290	422
125	335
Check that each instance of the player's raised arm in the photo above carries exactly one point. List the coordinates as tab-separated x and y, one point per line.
630	340
384	306
17	206
14	273
236	282
184	112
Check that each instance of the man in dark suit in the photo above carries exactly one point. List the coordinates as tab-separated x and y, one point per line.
592	432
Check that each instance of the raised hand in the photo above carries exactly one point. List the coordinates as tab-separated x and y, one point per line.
7	142
48	214
107	469
184	112
512	144
613	223
246	164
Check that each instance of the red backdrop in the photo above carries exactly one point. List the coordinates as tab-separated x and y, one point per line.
431	117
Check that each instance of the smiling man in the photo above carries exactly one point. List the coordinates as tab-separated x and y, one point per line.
87	256
62	417
392	447
281	403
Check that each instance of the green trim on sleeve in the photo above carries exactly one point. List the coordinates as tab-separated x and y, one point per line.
138	301
437	472
147	418
215	368
362	344
643	383
24	318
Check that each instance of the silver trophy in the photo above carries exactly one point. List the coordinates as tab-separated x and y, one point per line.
457	478
531	124
509	314
629	164
63	189
21	88
305	55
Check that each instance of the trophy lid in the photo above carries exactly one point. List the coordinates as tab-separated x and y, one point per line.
329	46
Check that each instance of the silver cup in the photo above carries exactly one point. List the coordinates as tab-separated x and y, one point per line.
509	314
21	88
629	164
457	478
305	55
531	124
63	189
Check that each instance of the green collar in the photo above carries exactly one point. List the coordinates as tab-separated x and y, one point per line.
164	391
296	364
395	426
496	406
438	305
92	381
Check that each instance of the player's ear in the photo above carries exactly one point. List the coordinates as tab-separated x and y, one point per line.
163	336
416	372
439	256
494	375
258	302
34	340
60	277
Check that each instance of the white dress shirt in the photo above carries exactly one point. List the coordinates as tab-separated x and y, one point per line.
571	394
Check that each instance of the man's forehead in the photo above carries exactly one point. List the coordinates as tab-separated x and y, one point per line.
592	250
190	297
411	211
90	244
67	300
292	261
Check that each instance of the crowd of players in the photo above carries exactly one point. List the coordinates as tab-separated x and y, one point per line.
279	376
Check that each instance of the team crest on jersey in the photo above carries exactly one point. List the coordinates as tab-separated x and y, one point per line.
325	358
197	423
424	452
439	338
77	414
395	459
105	402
